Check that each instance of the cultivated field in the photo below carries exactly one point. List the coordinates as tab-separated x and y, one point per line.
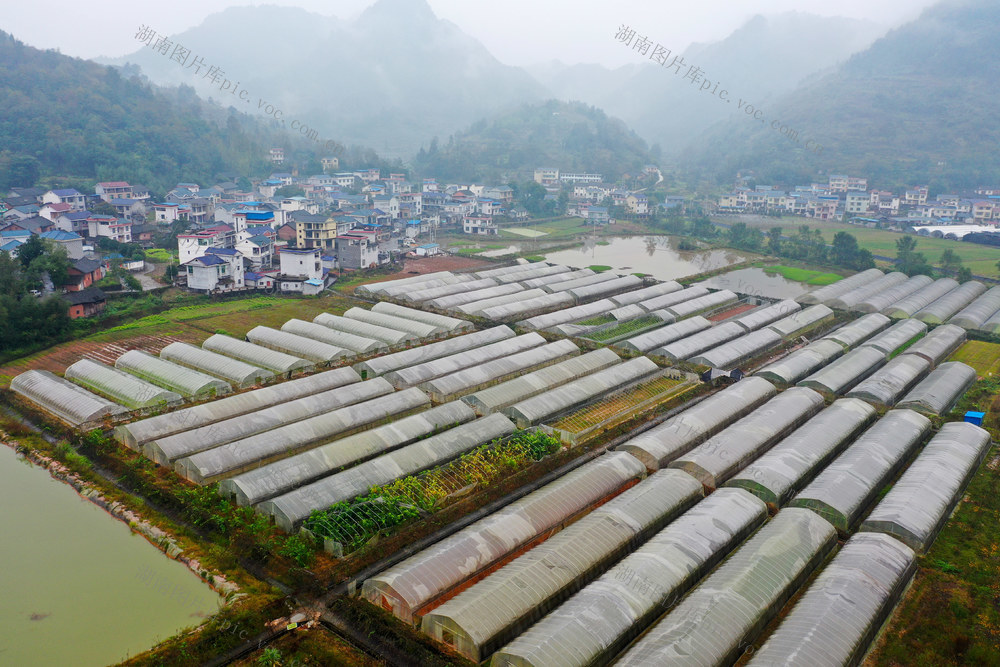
984	357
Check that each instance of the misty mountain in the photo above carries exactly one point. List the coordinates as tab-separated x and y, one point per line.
914	108
391	79
766	57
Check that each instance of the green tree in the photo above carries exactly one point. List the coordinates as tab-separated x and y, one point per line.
30	250
289	191
964	274
774	243
950	261
102	207
19	171
908	260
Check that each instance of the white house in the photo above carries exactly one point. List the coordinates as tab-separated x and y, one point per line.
113	228
301	270
76	200
219	269
472	224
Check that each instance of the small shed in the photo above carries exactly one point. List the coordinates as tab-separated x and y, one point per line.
975	417
428	249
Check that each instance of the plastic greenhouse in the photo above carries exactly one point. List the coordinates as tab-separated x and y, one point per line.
992	325
661	336
700	305
859	330
420	373
797	323
339	339
621	284
888	384
878	302
686	348
430	293
459	383
580	281
951	303
759	317
254	486
800	363
910	305
839	616
184	381
121	387
669	299
791	463
598	622
567	315
896	336
395	291
940	390
72	404
851	299
291	509
531	283
441	276
572	394
261	448
138	433
425	353
364	329
419	329
635	296
505	270
486	615
527	307
256	355
165	450
451	324
299	346
844	373
453	301
534	271
843	491
713	624
839	288
920	502
510	392
727	452
476	307
976	313
939	344
238	373
744	348
677	435
409	586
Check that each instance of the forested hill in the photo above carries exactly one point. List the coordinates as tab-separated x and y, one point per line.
81	121
568	136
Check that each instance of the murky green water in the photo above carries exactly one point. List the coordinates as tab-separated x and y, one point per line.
76	586
754	281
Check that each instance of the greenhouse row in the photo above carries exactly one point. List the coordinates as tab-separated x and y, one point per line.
992	325
844	490
851	299
859	330
176	378
167	449
567	315
847	371
573	394
802	321
667	300
679	434
443	277
419	329
119	386
506	270
646	293
386	335
424	353
939	344
722	615
485	616
500	299
72	404
920	502
791	463
290	509
803	361
764	315
413	584
621	284
412	376
686	348
726	453
453	301
888	384
536	270
662	336
341	339
420	295
238	373
839	288
254	486
837	619
527	307
321	354
940	390
255	355
975	315
481	376
557	278
236	456
494	399
578	281
923	297
599	621
450	324
700	305
951	303
896	336
728	355
399	288
879	302
137	434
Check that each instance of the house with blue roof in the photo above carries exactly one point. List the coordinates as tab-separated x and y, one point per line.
72	241
218	270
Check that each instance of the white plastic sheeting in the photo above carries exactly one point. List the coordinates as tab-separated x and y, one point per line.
120	386
281	476
510	392
420	373
992	325
847	371
714	624
338	339
425	353
492	611
419	295
646	293
459	383
531	283
573	394
791	463
598	622
582	281
672	298
257	355
920	502
727	452
261	448
506	270
453	301
72	404
974	315
944	308
878	302
759	317
441	276
300	346
845	489
364	329
888	384
744	348
939	344
896	336
800	363
407	587
662	336
184	381
677	435
835	621
910	305
797	323
701	304
685	348
535	271
940	390
851	299
841	287
859	330
236	372
621	284
567	315
421	329
477	307
451	324
138	433
527	307
167	449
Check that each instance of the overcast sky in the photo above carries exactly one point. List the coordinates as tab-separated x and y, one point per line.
517	32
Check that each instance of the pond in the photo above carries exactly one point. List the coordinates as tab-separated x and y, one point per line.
754	281
77	587
657	256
